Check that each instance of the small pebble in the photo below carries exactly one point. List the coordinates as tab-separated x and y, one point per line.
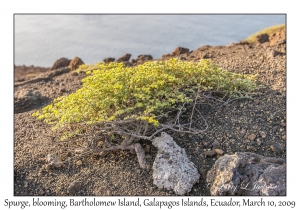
263	134
219	151
243	131
79	163
54	160
251	148
74	187
258	142
210	153
47	167
108	193
41	192
205	143
59	164
203	173
251	137
232	140
201	156
147	148
283	137
101	191
148	157
216	145
276	148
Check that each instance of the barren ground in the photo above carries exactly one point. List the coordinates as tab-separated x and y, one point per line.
256	125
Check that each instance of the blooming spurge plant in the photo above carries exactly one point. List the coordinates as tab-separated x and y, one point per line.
120	105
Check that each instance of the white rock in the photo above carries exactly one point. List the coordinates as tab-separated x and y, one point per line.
172	169
53	160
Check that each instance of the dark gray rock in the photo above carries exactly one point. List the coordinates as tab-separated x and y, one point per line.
262	38
127	63
247	174
216	145
75	63
251	148
62	62
210	153
144	58
180	50
108	60
141	59
276	148
203	173
125	57
74	187
165	56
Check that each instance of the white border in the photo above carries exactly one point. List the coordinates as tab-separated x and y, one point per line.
8	8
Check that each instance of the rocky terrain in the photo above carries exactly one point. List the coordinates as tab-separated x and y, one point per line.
257	126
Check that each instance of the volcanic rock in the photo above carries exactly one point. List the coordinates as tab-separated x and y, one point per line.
262	38
247	174
172	169
75	63
62	62
278	37
180	50
125	57
108	60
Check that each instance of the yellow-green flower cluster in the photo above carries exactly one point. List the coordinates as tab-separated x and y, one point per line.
115	92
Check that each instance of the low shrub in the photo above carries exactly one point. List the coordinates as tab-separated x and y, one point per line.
119	105
114	92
